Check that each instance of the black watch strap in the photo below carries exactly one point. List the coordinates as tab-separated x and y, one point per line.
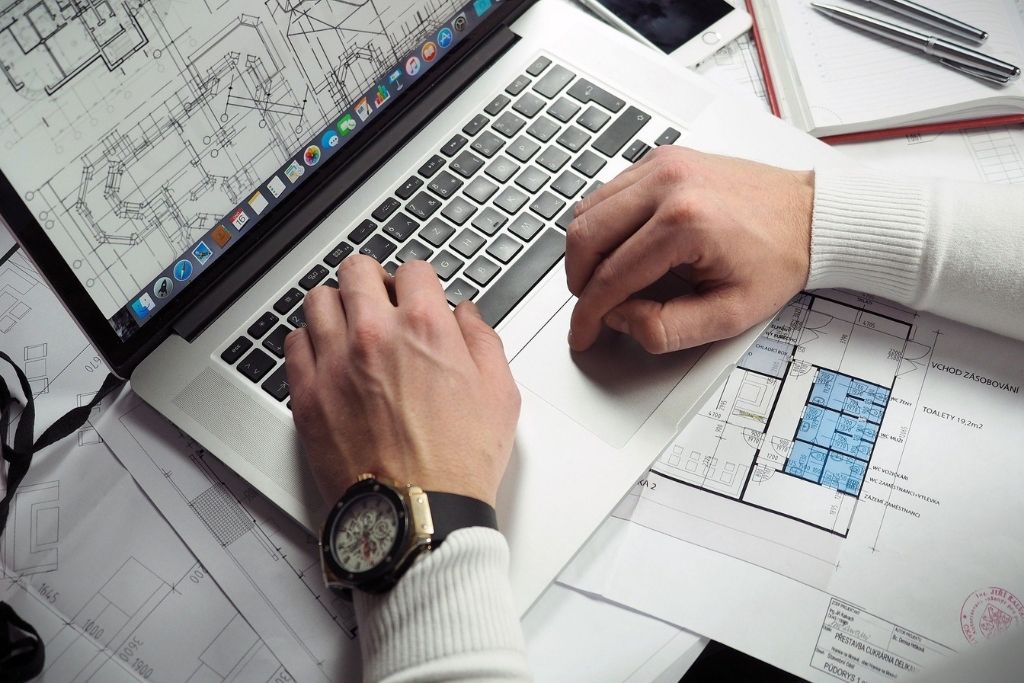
451	512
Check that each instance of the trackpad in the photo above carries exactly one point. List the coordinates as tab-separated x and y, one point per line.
611	389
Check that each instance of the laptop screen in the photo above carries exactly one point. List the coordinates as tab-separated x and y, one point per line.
148	138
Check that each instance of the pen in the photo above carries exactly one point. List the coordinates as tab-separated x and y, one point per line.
963	59
924	15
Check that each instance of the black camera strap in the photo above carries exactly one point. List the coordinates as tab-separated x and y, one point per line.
21	649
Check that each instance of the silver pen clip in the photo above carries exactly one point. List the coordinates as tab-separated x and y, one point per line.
977	72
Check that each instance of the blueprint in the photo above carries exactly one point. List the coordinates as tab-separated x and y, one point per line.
128	128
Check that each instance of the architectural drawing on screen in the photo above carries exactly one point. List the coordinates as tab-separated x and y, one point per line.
794	428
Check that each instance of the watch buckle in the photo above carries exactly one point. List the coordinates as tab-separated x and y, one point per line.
419	513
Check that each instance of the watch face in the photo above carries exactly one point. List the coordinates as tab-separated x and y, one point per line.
365	533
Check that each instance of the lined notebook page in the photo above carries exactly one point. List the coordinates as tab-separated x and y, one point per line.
848	77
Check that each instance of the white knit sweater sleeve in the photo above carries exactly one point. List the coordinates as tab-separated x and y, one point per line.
951	248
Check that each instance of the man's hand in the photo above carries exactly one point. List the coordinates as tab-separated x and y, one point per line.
737	230
387	380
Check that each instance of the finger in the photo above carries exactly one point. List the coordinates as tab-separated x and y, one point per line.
683	322
300	361
361	285
325	317
483	342
416	284
599	231
636	264
620	182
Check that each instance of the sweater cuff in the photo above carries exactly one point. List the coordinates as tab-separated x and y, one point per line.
868	233
454	601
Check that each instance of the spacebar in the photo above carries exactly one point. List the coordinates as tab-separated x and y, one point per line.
526	272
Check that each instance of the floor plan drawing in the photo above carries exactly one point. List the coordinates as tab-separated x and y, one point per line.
794	427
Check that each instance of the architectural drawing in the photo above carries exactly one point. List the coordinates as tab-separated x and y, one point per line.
148	121
794	427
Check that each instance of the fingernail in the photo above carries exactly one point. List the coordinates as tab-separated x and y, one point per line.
617	322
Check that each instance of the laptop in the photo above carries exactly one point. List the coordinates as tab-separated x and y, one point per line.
183	174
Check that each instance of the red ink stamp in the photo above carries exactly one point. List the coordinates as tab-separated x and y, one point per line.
990	612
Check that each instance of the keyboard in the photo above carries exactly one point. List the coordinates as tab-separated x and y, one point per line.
489	210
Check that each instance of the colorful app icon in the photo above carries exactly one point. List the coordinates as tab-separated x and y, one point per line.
220	237
445	37
276	186
412	66
239	218
395	79
143	305
293	172
202	253
429	51
363	109
381	97
311	156
182	270
461	23
258	202
346	125
481	6
330	139
163	287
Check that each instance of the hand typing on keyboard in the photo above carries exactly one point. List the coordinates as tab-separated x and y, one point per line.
386	379
739	230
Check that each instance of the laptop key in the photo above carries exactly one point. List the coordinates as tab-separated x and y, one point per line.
423	206
489	221
508	124
458	211
414	251
554	81
446	265
409	188
529	105
338	254
277	384
511	200
235	351
594	187
379	247
593	119
477	124
509	289
391	268
437	232
563	110
387	207
504	248
298	317
256	365
466	164
362	231
537	68
460	291
532	179
589	164
482	271
445	185
452	147
553	158
547	205
517	86
401	227
568	184
586	92
543	129
635	152
573	139
330	282
523	149
567	217
275	341
501	169
313	277
526	227
432	166
480	190
488	144
668	137
288	301
496	105
467	243
622	130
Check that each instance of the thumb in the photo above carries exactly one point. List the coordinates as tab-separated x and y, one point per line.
679	323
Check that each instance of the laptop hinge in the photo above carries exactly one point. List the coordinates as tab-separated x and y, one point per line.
336	188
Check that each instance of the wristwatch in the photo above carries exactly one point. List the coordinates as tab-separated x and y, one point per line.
377	529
